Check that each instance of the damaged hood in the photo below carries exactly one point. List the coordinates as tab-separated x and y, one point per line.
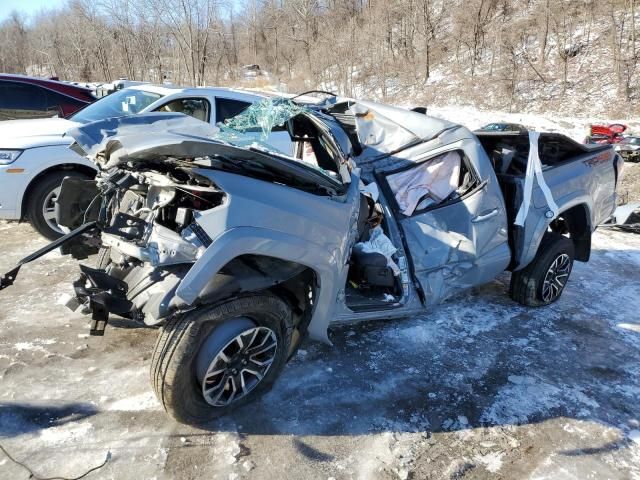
35	132
113	141
160	137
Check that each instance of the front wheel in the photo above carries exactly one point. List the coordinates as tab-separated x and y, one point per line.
214	359
543	280
41	204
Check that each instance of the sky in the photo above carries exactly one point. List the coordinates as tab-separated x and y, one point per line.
27	7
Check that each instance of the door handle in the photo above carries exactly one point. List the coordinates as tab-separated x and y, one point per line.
486	216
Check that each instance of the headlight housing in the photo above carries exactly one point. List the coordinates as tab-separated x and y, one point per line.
9	156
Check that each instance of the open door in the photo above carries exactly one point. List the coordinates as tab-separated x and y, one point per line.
454	223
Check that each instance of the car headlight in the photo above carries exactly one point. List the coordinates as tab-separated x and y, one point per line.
9	156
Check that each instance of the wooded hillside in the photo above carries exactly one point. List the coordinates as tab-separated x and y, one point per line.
577	56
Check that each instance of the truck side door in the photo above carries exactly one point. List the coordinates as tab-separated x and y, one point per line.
458	241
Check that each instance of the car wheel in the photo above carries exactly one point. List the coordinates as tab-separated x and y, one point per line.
214	359
41	211
544	279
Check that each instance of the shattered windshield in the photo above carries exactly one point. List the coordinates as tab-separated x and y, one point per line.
261	117
255	127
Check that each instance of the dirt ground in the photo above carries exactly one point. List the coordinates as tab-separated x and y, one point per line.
479	388
629	189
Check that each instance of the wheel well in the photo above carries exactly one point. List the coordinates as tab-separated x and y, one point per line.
296	284
575	224
90	172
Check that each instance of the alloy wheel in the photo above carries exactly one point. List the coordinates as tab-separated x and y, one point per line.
556	277
49	210
240	366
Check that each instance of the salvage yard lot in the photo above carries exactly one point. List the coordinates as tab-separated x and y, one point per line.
481	387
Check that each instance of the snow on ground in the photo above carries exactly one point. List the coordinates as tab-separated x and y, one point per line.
573	127
480	387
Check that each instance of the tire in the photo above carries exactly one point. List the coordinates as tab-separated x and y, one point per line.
40	194
528	285
189	344
103	258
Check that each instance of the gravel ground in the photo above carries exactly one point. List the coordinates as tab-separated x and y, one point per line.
629	189
479	388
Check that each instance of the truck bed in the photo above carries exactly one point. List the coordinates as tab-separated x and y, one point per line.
578	175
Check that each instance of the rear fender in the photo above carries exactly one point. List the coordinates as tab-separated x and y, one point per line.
538	230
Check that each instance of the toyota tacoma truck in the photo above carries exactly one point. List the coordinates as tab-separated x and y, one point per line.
238	251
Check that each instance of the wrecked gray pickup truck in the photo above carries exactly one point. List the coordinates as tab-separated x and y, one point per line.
238	251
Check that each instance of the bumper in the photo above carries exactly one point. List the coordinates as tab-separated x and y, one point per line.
13	182
144	293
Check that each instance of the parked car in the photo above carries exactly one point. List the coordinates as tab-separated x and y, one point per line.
107	88
34	154
502	127
606	134
23	97
238	252
629	149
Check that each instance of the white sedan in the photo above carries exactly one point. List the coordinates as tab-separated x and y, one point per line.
35	154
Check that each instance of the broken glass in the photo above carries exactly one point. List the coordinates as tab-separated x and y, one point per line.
263	116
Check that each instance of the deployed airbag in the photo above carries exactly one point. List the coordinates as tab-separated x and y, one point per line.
433	180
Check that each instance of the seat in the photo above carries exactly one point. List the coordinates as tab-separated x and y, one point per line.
372	268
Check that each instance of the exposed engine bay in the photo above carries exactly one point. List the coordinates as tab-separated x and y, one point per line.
148	236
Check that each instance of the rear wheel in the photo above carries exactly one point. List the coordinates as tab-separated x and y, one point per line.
215	359
543	280
41	206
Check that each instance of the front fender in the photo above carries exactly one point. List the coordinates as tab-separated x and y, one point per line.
260	241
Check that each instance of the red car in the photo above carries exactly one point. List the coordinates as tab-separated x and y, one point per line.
606	134
29	97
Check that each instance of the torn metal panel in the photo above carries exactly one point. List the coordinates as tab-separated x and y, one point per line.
116	140
384	130
159	137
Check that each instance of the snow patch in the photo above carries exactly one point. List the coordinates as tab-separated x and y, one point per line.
144	401
492	461
70	432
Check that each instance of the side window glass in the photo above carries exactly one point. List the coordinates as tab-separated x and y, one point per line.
194	107
21	100
54	101
227	108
